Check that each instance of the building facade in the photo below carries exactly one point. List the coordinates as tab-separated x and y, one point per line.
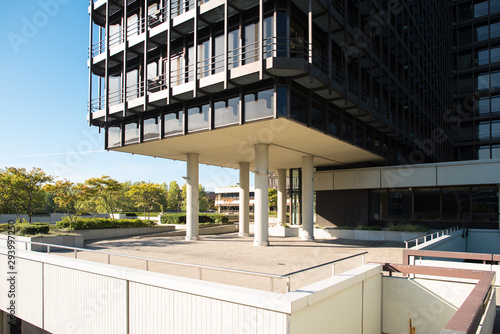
275	88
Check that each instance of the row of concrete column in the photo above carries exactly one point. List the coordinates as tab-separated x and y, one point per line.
261	206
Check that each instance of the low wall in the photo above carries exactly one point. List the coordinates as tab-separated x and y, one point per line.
112	299
61	240
332	233
107	233
430	304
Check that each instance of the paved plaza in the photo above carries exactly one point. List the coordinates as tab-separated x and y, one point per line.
284	255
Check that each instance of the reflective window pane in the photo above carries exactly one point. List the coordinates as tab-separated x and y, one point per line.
260	107
131	133
151	129
114	136
173	123
198	118
399	203
224	115
456	203
427	203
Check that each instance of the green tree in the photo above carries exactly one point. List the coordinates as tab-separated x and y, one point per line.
68	196
273	197
174	197
146	195
202	198
22	189
126	203
104	191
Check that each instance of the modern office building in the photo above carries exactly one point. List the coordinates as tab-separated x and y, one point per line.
288	88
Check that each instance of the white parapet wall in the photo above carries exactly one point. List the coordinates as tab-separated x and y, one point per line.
63	295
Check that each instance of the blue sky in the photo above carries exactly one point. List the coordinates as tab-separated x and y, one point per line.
43	101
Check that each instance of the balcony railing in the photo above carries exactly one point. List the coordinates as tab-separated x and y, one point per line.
247	54
182	6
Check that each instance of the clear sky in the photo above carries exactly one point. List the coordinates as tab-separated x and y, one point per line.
43	101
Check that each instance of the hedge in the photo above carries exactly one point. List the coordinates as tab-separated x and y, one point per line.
180	218
27	228
101	223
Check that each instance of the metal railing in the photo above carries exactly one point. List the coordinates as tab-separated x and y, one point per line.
181	6
200	268
295	48
431	236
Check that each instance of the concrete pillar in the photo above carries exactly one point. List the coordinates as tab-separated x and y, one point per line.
261	213
192	199
307	198
281	197
498	207
244	230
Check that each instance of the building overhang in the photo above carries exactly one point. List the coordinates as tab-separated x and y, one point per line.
288	142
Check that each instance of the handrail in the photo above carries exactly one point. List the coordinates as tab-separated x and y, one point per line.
468	316
447	231
199	266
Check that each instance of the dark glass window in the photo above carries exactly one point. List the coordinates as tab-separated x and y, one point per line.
298	106
484	106
456	203
334	123
378	203
317	117
427	203
484	201
399	204
495	104
282	101
347	130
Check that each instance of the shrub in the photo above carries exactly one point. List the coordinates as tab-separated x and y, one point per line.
368	228
32	229
101	223
180	218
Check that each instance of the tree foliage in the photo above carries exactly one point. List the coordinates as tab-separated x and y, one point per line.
104	191
22	190
273	197
146	195
174	197
68	196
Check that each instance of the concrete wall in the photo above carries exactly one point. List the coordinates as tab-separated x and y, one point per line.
63	295
484	241
342	208
106	233
332	233
61	240
352	306
430	304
